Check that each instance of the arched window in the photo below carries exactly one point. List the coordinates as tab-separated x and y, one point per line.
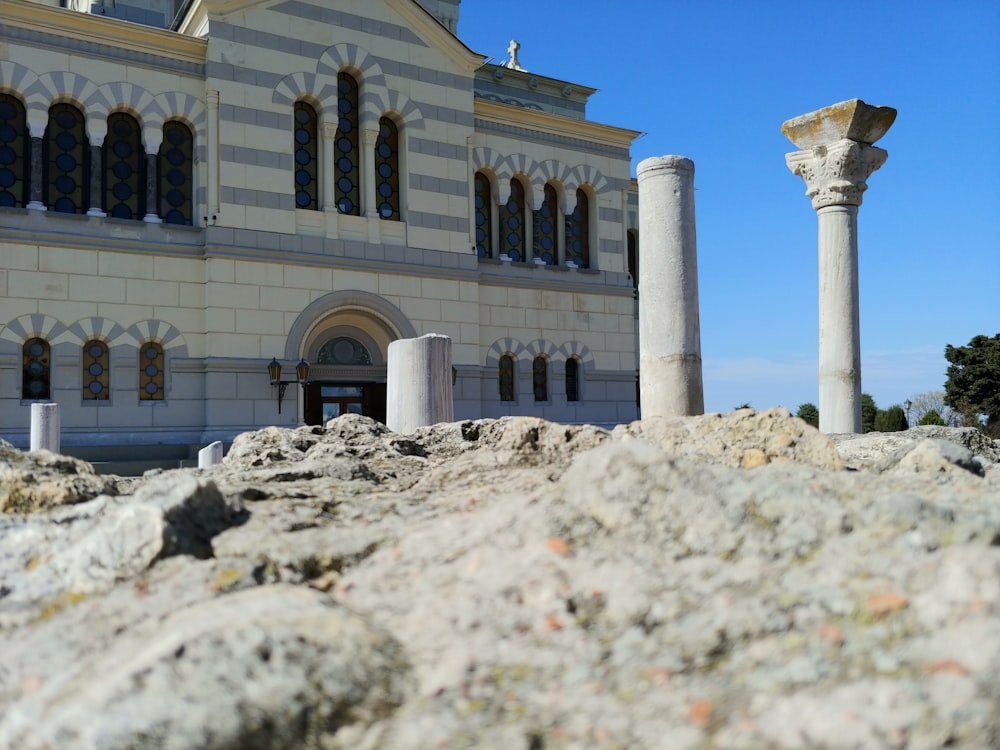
35	367
151	372
67	161
343	351
346	153
572	379
95	371
124	163
512	224
306	157
578	232
544	235
540	378
15	153
175	166
484	218
633	258
387	170
506	373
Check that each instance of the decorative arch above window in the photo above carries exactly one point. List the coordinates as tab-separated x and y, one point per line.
124	162
387	170
578	231
540	378
343	350
346	155
95	371
572	379
151	372
176	170
506	376
544	237
67	160
512	223
15	153
484	218
306	138
36	357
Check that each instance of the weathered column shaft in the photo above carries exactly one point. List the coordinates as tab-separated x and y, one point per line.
839	320
670	378
152	178
96	181
37	175
45	427
210	455
419	383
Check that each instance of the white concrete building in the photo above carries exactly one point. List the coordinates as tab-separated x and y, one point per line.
206	186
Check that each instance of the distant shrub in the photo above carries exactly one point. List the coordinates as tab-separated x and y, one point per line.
809	413
892	419
931	417
868	412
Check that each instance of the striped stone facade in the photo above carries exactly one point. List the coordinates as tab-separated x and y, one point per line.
250	276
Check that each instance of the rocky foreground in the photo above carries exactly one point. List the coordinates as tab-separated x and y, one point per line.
727	581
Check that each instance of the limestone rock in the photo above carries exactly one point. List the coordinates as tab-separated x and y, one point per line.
869	449
270	667
744	438
40	479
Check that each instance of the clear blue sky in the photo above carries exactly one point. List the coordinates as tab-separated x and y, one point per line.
714	79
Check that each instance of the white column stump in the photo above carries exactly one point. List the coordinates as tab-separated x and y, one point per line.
835	161
670	379
45	427
210	455
419	383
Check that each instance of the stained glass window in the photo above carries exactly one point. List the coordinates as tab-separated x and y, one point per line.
540	378
306	161
67	161
578	232
512	223
572	379
124	168
343	351
151	372
346	156
633	258
35	364
175	165
484	220
15	156
387	170
506	371
95	371
544	235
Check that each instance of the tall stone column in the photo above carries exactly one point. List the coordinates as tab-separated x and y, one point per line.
670	379
836	159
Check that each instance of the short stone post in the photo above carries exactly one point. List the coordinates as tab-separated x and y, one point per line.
45	427
419	383
210	455
835	161
670	381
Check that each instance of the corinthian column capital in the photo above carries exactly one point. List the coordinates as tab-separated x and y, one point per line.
835	173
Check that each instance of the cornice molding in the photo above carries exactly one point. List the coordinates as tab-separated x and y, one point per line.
102	30
560	125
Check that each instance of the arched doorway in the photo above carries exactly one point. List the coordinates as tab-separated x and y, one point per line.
345	337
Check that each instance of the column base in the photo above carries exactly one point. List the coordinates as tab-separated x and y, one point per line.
152	219
96	212
36	206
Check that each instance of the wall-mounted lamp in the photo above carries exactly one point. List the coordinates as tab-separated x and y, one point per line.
274	373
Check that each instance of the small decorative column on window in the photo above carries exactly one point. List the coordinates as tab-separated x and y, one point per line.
512	225
66	161
484	218
387	170
346	156
544	237
578	233
329	131
151	156
97	133
15	153
124	168
306	161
